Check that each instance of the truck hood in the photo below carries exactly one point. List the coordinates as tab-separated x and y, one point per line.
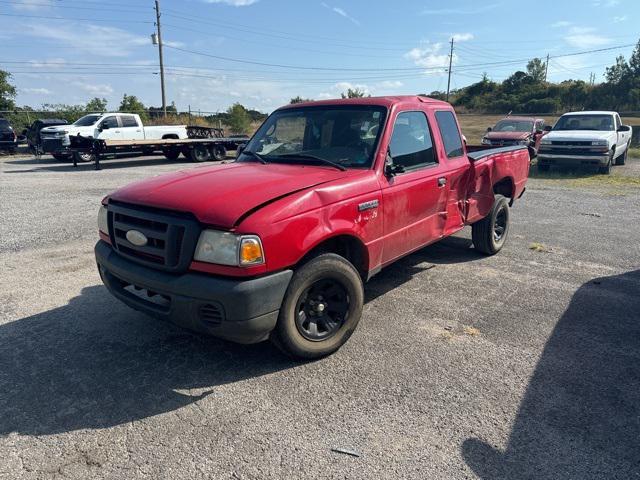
508	135
72	129
220	195
568	135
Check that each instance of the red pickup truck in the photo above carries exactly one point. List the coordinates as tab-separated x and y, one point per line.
279	243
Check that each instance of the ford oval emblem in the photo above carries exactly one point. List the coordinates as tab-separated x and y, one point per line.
137	238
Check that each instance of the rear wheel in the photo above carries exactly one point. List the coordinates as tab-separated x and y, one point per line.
490	233
199	153
84	157
321	308
171	153
219	152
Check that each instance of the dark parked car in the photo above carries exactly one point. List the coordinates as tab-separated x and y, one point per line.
34	140
8	139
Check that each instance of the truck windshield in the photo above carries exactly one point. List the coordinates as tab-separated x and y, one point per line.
4	123
513	126
87	120
344	135
585	122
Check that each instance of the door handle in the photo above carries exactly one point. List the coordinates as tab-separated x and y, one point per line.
442	181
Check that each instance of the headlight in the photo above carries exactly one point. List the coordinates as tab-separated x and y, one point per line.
486	141
600	143
103	220
225	248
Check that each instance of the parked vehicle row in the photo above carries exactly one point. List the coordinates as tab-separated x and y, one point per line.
8	137
279	243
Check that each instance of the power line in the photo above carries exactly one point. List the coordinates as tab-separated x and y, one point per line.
74	19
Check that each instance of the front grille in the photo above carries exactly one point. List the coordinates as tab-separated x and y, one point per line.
572	151
51	145
571	143
171	237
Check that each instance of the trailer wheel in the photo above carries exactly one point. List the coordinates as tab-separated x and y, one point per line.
219	152
199	153
171	153
84	157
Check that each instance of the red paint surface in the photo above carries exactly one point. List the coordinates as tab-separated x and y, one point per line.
293	208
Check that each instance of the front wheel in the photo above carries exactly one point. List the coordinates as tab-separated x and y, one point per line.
84	157
490	233
321	308
606	170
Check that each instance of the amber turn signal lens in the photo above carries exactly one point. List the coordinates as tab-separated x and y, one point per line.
251	252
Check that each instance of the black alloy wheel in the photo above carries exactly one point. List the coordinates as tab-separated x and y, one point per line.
322	309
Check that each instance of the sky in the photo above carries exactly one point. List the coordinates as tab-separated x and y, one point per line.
262	53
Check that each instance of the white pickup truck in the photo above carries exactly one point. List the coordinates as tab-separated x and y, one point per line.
597	139
107	126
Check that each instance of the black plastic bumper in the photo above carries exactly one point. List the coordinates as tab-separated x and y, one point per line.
244	311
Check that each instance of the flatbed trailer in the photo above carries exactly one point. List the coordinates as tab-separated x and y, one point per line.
195	149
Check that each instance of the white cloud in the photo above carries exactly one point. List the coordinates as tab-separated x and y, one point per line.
621	18
390	84
32	4
431	56
560	24
583	37
91	39
50	63
605	3
95	89
462	37
36	91
234	3
342	13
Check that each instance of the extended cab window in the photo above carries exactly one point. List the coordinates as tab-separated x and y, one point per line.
128	121
450	134
111	122
411	145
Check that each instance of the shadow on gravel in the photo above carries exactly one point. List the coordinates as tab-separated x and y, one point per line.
580	417
95	363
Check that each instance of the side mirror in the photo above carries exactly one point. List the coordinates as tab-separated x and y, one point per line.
103	126
391	170
624	128
547	128
489	129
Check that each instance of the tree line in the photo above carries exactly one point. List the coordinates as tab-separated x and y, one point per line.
528	92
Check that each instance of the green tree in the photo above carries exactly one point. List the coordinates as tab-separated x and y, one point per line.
7	92
238	118
617	73
299	99
354	93
96	105
536	69
131	104
634	61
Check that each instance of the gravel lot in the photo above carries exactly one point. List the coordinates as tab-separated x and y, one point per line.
523	365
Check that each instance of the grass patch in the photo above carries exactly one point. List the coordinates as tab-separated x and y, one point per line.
634	152
539	247
473	331
612	180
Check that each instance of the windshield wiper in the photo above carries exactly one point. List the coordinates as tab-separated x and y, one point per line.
255	155
306	156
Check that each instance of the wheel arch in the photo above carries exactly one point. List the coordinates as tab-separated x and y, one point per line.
505	187
347	246
170	136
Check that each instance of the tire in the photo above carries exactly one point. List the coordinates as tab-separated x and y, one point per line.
606	170
622	159
490	234
171	153
61	157
543	168
199	153
218	152
328	281
84	157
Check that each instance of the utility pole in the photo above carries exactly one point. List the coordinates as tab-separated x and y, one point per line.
164	98
450	64
546	69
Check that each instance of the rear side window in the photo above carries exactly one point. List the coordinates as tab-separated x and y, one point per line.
450	134
128	121
411	145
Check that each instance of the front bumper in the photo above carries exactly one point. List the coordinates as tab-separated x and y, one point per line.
243	311
564	159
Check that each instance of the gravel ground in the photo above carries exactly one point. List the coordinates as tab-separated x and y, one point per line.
523	365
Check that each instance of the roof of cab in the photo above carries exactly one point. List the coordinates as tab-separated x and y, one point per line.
386	101
591	112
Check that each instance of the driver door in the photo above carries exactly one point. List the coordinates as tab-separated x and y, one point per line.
112	130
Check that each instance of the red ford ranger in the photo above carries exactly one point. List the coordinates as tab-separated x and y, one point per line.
279	243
